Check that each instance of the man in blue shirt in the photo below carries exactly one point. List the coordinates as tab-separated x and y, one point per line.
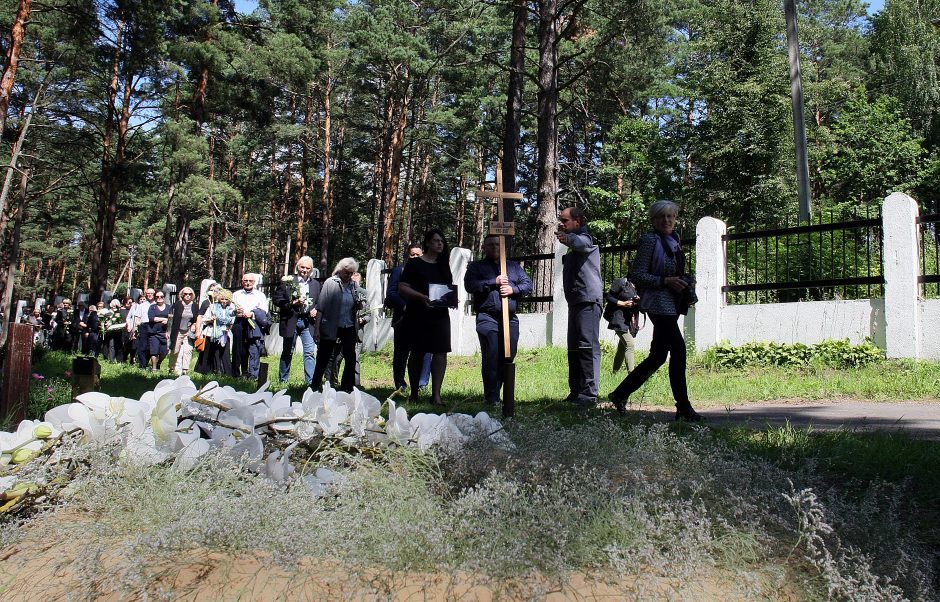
581	277
488	287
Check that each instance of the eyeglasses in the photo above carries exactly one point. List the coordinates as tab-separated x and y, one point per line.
159	296
187	294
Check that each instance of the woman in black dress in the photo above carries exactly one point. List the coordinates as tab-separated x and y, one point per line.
159	317
427	322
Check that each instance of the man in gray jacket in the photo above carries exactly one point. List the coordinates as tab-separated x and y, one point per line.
581	276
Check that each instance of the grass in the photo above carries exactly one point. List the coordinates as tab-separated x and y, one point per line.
541	380
838	515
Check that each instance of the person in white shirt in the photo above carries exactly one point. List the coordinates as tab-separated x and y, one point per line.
247	336
138	322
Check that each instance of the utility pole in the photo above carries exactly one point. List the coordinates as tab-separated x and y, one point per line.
131	252
796	98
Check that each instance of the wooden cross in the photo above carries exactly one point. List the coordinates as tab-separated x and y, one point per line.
501	229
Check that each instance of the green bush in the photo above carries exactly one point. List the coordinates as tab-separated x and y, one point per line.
835	354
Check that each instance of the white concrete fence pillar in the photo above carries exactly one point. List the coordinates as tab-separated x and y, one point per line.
901	270
710	276
559	320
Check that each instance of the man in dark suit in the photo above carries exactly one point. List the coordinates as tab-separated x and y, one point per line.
489	287
87	326
296	297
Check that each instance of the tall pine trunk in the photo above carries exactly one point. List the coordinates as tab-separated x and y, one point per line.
12	60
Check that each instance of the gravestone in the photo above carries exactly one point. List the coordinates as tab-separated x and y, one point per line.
136	293
82	298
20	309
107	296
86	375
57	300
170	291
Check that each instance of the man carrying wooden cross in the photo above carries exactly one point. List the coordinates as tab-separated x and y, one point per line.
489	287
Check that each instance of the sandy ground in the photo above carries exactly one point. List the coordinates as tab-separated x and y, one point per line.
38	568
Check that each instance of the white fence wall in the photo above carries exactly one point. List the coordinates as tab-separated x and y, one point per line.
901	323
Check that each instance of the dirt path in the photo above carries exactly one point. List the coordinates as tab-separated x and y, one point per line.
916	418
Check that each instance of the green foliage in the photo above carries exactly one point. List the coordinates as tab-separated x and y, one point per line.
46	393
869	152
835	354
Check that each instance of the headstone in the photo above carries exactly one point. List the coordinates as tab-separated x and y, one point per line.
107	296
170	291
20	309
86	375
82	298
58	299
17	370
40	303
263	373
136	293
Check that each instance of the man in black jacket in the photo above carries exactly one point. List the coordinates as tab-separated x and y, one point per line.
488	287
581	278
296	297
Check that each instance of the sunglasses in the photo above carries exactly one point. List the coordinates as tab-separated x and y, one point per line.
159	296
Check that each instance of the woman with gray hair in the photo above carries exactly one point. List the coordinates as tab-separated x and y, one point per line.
183	331
336	323
666	291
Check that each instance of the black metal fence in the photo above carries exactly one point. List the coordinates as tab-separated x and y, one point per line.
540	268
827	260
930	254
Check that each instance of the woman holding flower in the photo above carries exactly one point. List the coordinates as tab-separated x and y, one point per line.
216	325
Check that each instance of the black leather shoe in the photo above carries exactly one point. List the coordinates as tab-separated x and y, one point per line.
688	414
619	402
584	402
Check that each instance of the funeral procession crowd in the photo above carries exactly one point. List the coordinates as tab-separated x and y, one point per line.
225	332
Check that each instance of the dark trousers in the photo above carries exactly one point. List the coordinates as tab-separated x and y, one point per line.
584	350
88	343
246	351
332	368
492	352
143	345
347	339
667	340
399	355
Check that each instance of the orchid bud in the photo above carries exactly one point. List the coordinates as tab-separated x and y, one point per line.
23	455
43	431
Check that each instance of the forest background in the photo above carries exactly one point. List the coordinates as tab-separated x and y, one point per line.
217	141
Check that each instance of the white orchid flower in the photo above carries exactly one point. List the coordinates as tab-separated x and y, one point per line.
278	467
322	480
95	426
398	428
435	430
191	452
164	421
240	418
251	446
333	414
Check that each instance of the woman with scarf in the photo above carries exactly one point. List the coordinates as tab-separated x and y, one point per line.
665	292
